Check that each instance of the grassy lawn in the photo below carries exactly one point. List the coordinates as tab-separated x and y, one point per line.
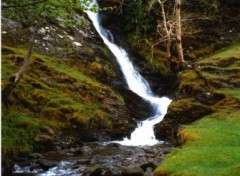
211	146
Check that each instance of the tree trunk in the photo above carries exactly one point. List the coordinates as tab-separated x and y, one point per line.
168	49
167	31
6	92
179	31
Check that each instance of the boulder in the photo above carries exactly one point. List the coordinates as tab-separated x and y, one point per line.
183	111
46	164
139	108
133	171
36	156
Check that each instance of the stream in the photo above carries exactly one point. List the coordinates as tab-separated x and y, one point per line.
138	155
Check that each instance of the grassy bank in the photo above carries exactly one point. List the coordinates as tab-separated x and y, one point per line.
53	99
210	146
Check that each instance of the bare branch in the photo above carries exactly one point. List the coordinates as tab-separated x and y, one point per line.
120	7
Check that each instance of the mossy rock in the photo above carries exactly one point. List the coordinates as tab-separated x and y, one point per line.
60	97
213	137
182	111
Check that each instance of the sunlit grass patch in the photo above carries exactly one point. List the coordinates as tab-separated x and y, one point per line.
215	150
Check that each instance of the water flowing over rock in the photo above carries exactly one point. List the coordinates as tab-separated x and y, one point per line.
137	106
95	159
136	83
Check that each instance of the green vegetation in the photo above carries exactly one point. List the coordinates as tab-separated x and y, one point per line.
211	145
155	57
51	95
18	129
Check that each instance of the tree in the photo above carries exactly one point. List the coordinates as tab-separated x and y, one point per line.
179	31
168	28
170	22
32	15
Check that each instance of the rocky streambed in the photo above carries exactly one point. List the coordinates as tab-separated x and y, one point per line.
94	159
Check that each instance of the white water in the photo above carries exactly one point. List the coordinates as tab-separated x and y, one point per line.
143	134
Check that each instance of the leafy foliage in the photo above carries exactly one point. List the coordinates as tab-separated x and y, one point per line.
139	19
28	12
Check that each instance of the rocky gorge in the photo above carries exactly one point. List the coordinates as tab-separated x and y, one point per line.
61	108
74	94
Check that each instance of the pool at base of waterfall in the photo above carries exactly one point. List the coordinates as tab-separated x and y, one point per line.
94	158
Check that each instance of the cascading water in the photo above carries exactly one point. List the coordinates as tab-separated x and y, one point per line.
143	134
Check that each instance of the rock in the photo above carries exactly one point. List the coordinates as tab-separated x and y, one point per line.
45	142
138	108
86	150
7	23
102	160
36	156
43	138
46	81
93	171
83	161
167	150
180	112
150	164
48	38
148	172
112	171
46	164
133	171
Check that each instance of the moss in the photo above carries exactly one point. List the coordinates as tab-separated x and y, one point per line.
52	94
154	57
230	92
210	146
231	51
203	52
103	49
17	130
190	79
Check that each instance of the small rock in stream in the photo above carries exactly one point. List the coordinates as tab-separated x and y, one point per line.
46	164
36	156
133	171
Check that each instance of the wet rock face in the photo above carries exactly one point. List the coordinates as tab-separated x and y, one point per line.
137	107
194	99
99	160
199	94
180	112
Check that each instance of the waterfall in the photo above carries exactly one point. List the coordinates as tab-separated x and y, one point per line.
143	134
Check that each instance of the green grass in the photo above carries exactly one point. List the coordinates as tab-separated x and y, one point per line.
231	51
210	146
214	151
18	129
72	100
230	92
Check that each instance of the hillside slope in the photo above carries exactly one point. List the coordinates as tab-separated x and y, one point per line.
55	105
210	91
